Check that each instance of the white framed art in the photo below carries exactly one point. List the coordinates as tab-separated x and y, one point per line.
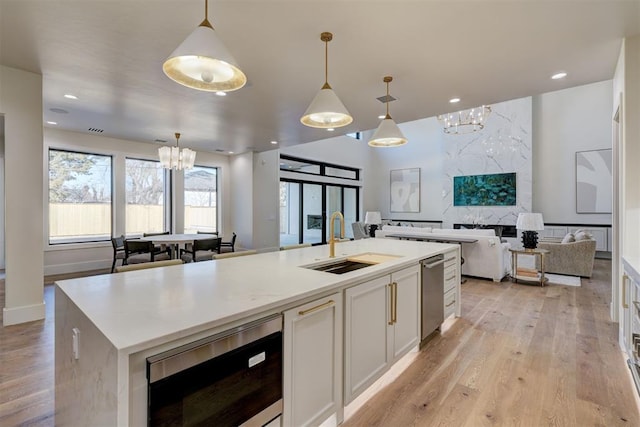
405	190
593	181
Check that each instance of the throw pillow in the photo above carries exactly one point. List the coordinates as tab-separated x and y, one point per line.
569	238
582	235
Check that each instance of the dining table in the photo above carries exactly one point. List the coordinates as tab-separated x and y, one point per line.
177	240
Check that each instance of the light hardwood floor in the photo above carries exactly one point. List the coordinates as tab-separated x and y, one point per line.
519	355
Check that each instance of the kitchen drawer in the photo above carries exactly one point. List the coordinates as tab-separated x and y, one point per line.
449	278
450	260
449	303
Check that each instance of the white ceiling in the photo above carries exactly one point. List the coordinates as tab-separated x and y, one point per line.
110	53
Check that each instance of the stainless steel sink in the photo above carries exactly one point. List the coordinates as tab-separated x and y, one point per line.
339	267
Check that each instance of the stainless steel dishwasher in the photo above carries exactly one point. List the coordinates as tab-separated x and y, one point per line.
432	295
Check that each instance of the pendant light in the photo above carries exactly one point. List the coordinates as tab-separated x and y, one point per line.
173	158
326	110
202	61
388	133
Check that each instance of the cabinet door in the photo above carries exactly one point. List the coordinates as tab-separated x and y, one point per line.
366	316
406	328
312	386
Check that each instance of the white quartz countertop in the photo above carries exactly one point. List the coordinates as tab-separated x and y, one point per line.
140	309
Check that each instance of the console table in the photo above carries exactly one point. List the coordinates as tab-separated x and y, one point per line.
539	278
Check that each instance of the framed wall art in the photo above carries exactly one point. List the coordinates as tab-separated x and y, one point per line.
593	181
405	190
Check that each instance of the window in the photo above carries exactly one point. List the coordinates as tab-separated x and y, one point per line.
201	199
79	197
313	167
145	194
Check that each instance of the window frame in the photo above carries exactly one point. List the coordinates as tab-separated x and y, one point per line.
167	194
217	228
69	244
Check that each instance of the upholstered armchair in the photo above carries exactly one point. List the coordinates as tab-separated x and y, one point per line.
571	258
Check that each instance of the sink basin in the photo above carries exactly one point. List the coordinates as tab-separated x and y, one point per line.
340	267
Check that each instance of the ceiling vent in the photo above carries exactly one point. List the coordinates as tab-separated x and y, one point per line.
162	141
96	130
219	150
58	110
386	98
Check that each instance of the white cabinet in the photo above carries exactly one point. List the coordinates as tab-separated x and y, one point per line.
381	325
312	376
451	285
553	231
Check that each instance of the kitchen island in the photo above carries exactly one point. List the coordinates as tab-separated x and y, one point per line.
107	326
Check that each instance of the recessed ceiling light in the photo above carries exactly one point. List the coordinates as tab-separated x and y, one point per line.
560	75
454	100
69	96
230	152
52	123
381	116
274	142
330	129
221	93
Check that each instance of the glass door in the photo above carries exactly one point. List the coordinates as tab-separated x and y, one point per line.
312	224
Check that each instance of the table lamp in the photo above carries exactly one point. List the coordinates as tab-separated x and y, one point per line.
530	224
372	219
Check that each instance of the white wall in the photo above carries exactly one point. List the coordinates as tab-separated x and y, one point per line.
423	150
565	122
91	256
21	105
241	201
266	201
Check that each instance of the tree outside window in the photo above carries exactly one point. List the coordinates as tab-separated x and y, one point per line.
79	197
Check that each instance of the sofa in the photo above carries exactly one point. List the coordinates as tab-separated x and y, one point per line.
569	256
487	258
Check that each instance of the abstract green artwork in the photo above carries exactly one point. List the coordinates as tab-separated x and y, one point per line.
497	189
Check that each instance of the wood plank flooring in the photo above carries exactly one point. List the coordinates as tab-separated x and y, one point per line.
520	355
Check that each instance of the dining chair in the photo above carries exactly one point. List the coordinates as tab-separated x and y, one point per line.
202	250
162	247
139	251
230	244
118	251
359	230
188	247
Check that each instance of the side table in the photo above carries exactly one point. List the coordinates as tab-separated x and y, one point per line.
539	276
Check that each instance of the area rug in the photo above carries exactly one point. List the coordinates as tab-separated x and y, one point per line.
560	279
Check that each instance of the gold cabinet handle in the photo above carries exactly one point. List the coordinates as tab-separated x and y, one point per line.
395	302
625	278
390	303
316	308
451	303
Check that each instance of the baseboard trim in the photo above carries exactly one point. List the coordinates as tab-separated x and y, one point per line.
23	314
76	267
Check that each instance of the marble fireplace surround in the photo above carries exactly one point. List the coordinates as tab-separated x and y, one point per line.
504	145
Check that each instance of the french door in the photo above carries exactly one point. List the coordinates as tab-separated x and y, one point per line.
306	207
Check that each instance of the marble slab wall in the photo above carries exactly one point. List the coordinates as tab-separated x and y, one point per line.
504	145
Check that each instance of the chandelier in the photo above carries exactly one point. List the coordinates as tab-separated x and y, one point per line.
174	158
465	121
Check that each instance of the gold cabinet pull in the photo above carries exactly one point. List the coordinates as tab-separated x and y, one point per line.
451	303
625	278
316	308
393	302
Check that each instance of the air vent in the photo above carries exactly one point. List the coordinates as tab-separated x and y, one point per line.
161	140
59	111
386	98
96	130
218	150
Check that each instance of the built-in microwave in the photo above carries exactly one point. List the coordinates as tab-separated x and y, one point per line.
229	379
